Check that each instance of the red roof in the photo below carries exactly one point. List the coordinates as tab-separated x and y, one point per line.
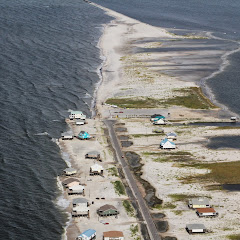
205	210
113	234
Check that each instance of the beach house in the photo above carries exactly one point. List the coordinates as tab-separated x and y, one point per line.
166	144
171	136
87	235
80	207
77	115
93	155
196	228
67	136
96	169
69	171
198	203
69	180
83	135
160	121
113	235
156	117
76	189
107	210
206	212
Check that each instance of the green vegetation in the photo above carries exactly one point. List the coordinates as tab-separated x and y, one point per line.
226	127
234	237
128	207
119	188
113	171
181	197
222	172
178	212
134	103
134	230
147	135
179	153
193	98
165	206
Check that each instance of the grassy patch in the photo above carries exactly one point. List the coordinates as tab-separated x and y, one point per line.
179	153
134	230
181	197
165	206
134	103
223	173
234	237
226	127
178	212
113	171
128	207
192	98
147	135
119	188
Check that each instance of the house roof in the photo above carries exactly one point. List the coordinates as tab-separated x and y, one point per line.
76	187
199	201
106	207
88	233
69	170
195	226
76	112
70	180
165	140
113	234
205	210
171	134
81	208
79	200
73	184
93	153
96	167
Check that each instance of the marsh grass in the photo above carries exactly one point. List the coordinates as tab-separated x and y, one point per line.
128	207
222	173
234	237
119	188
147	135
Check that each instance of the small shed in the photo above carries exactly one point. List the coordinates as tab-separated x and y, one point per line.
93	155
69	171
206	212
196	228
80	202
77	115
171	135
87	235
166	144
69	180
76	189
113	235
198	203
96	169
66	136
83	135
107	210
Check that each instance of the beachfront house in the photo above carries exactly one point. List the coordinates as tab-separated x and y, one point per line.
83	135
66	136
73	184
69	171
93	155
107	210
156	117
113	235
87	235
77	115
198	203
69	180
195	228
206	212
96	169
171	136
160	121
79	122
166	144
76	189
80	207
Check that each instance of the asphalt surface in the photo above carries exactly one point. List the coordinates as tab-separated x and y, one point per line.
152	230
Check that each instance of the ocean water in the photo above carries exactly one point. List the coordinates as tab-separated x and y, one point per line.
49	60
219	19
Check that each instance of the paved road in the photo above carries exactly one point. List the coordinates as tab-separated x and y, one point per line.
152	230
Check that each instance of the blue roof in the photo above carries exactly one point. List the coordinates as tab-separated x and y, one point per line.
159	117
172	134
76	112
83	134
166	140
88	233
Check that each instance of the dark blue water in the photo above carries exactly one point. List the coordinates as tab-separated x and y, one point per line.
224	142
219	17
48	59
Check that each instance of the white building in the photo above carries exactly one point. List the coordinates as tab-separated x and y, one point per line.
96	169
77	115
166	144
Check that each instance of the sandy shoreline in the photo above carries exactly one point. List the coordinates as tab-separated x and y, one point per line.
127	73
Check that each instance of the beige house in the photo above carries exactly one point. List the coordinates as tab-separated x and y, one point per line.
113	235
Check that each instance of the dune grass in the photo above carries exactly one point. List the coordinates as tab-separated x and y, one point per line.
119	188
128	207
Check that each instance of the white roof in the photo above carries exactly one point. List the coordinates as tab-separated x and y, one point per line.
199	201
96	167
71	184
77	187
195	226
79	200
81	208
70	170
